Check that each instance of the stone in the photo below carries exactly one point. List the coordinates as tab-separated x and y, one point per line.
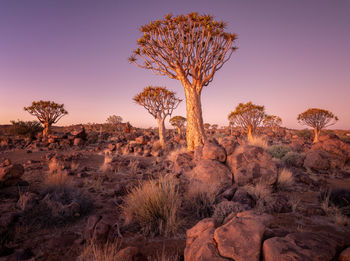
211	172
345	255
78	141
10	175
212	150
250	164
200	244
27	201
303	246
316	160
240	239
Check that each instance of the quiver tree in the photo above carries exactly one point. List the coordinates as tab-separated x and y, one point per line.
248	116
178	122
273	122
317	119
189	48
160	103
47	112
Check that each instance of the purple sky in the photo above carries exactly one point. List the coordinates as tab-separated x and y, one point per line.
292	55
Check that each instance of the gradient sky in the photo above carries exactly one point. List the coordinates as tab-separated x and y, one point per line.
293	54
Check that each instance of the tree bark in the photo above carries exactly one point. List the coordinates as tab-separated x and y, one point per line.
161	129
249	133
46	129
317	134
195	134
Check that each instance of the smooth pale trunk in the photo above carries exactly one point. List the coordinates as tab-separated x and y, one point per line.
195	135
317	134
161	128
249	133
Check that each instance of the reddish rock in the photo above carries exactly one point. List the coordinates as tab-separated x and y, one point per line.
130	254
345	255
316	160
250	164
212	150
11	175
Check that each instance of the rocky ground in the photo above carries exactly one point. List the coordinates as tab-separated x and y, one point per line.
278	197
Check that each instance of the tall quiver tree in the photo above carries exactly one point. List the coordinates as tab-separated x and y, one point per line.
317	119
178	122
47	112
248	116
189	48
273	122
160	103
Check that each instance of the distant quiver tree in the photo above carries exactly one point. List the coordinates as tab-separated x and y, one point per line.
160	103
272	121
189	48
47	112
317	119
248	116
178	122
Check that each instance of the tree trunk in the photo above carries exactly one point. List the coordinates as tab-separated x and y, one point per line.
46	129
161	129
249	133
179	131
195	134
317	134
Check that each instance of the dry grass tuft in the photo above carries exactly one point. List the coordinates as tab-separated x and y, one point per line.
262	193
107	160
173	154
294	200
154	205
258	142
57	176
334	212
163	256
201	198
96	252
285	179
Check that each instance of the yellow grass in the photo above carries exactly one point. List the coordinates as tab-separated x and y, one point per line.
96	252
285	179
258	142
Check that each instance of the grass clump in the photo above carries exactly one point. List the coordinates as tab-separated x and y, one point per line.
293	159
154	205
278	151
334	212
258	142
96	252
25	128
285	179
262	194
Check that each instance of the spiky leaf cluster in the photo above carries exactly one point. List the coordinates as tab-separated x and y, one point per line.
317	118
184	47
158	101
177	121
247	115
272	121
47	112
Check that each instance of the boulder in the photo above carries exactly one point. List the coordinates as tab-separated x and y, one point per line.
212	150
11	175
183	162
79	132
130	254
345	255
250	164
303	246
316	160
211	172
200	244
229	145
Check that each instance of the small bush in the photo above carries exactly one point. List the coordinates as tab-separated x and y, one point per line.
201	199
334	212
285	179
262	194
26	128
154	205
293	159
258	142
305	133
278	151
57	177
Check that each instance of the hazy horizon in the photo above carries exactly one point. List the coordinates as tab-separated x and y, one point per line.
293	55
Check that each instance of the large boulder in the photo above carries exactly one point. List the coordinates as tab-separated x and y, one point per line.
303	246
214	151
11	175
238	239
211	172
200	245
250	164
316	160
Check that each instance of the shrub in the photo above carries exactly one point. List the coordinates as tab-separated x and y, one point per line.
278	151
293	159
96	252
305	133
154	205
26	128
285	179
201	199
334	212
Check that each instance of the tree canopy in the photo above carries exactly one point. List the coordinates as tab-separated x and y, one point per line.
317	118
47	112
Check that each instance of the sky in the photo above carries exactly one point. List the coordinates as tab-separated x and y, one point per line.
292	55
